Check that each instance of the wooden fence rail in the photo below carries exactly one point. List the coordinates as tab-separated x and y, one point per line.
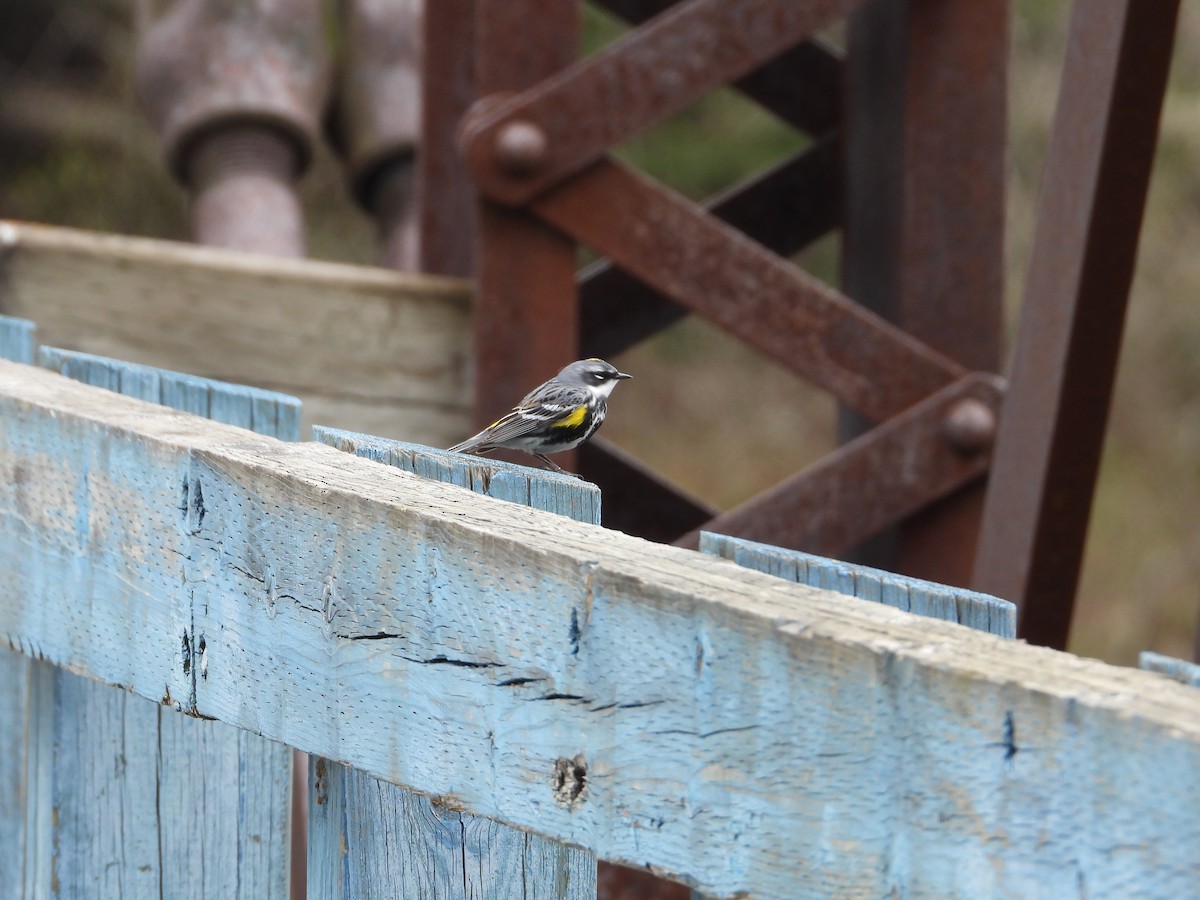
368	838
127	798
655	706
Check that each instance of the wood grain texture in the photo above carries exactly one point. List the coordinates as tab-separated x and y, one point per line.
398	843
16	697
651	704
18	342
542	489
369	838
923	598
363	348
147	802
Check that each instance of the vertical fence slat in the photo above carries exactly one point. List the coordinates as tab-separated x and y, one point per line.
147	802
18	339
18	697
371	839
924	598
104	776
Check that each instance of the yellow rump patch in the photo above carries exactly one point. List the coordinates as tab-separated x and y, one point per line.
572	419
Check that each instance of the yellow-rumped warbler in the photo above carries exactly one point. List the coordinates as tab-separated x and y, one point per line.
555	416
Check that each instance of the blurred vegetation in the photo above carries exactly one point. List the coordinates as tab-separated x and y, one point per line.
711	414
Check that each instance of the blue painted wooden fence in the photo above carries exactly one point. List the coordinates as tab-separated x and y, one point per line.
125	798
923	598
368	838
548	684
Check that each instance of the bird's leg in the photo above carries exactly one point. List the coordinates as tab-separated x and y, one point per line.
555	466
549	463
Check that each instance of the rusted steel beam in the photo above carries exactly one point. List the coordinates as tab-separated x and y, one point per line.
802	86
714	270
1093	198
877	479
636	500
615	882
784	209
924	237
526	318
446	204
925	170
656	71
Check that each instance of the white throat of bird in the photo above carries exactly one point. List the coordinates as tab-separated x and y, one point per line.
603	390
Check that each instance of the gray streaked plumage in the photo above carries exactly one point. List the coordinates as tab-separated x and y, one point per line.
555	416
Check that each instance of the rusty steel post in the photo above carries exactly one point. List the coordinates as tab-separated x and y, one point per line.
526	317
445	196
236	89
1085	246
377	117
924	234
242	178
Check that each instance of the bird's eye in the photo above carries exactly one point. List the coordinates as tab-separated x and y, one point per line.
597	376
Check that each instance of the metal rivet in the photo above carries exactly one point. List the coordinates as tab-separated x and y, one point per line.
970	426
521	147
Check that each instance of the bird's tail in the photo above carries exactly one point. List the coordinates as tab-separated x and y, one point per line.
471	444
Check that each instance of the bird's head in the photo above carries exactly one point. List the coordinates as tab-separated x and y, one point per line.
594	374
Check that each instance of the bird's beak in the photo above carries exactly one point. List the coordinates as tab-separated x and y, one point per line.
623	375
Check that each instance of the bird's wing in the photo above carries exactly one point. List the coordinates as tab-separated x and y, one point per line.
542	406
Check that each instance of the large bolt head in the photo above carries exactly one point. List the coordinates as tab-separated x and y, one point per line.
521	147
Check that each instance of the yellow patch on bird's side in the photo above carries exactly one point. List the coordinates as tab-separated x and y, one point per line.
572	419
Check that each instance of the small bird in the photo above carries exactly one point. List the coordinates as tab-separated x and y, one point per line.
555	416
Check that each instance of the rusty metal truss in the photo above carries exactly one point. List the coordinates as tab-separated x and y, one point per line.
906	156
536	143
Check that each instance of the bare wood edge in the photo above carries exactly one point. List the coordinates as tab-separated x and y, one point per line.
16	237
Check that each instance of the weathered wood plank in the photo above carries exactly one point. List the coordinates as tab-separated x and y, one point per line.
103	774
427	849
18	342
150	803
551	491
923	598
261	411
1182	671
16	702
363	348
653	705
369	838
